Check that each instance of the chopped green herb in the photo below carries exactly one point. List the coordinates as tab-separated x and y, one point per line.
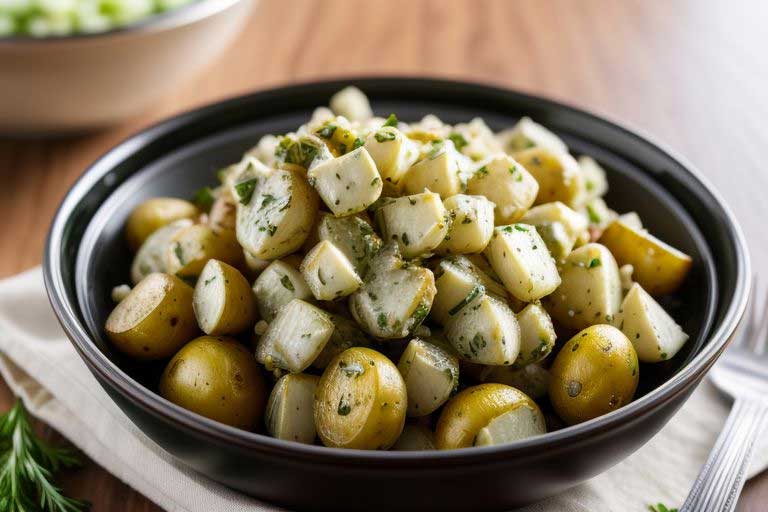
209	281
326	131
344	408
660	507
478	290
382	320
405	240
383	136
358	143
204	199
391	121
594	262
179	252
466	220
287	283
437	148
272	229
268	198
518	227
594	218
458	140
482	172
420	314
244	190
375	180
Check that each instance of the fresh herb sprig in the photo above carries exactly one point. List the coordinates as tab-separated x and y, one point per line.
660	507
27	465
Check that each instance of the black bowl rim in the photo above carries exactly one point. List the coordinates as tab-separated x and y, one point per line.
157	406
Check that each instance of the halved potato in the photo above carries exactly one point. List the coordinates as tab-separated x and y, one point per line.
466	414
154	320
289	413
485	332
191	248
151	255
418	223
278	285
278	216
223	300
522	261
557	174
360	401
537	335
347	184
506	183
590	292
153	214
353	236
415	438
431	375
328	272
295	338
654	334
512	426
659	268
471	226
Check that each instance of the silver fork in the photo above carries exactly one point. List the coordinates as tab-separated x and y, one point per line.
742	374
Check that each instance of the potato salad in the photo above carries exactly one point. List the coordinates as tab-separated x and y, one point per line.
374	283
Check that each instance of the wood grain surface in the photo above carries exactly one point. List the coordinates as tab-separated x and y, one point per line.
692	73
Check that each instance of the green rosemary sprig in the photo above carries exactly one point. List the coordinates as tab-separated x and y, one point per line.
27	465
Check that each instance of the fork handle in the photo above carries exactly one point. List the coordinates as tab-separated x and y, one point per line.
721	479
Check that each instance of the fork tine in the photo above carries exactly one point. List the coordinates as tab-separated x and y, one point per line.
760	337
751	319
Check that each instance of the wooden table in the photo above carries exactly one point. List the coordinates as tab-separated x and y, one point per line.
693	73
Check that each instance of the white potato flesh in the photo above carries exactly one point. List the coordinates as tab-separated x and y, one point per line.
223	301
351	103
532	379
558	175
393	154
537	335
289	414
418	223
353	236
475	139
278	285
559	226
439	171
279	215
507	184
347	184
472	222
625	274
527	134
431	375
395	297
151	255
346	334
295	338
415	438
595	179
120	292
598	214
519	423
520	258
458	282
631	219
254	265
485	332
328	273
590	292
654	333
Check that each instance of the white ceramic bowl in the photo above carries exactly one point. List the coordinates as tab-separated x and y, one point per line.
72	83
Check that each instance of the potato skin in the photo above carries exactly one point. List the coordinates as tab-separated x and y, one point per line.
595	372
164	329
155	213
239	311
472	409
218	378
191	248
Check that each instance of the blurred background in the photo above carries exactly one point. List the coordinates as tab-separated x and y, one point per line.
691	73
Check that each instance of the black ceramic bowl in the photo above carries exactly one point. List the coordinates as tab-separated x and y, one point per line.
86	256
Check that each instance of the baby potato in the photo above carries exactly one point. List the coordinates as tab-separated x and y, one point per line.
595	372
217	378
557	174
289	412
154	320
512	426
537	335
191	248
431	374
223	300
151	255
466	414
415	438
153	214
360	401
659	268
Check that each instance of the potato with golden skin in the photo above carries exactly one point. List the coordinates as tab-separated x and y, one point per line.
218	378
361	401
223	300
596	372
466	414
154	320
191	248
153	214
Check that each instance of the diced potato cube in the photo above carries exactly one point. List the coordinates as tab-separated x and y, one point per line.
598	214
395	297
431	375
458	283
521	259
393	153
655	335
537	335
557	174
278	285
507	184
475	139
347	184
527	134
485	332
277	217
658	267
295	338
558	225
351	103
471	224
328	273
289	413
351	235
418	223
595	179
590	292
439	171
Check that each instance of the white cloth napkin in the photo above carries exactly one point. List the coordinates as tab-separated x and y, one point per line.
40	365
